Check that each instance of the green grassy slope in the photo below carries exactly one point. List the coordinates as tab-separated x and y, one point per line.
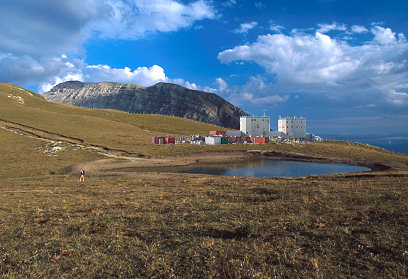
132	132
114	129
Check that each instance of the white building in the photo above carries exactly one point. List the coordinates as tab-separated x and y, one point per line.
212	140
292	127
255	126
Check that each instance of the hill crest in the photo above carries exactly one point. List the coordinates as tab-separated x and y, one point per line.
161	98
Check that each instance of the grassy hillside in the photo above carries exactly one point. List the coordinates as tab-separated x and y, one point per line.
340	226
113	129
132	132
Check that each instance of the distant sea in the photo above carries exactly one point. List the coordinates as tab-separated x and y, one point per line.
394	143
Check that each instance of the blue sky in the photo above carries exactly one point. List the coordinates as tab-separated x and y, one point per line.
341	64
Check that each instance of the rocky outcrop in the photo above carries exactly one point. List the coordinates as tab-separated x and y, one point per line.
161	98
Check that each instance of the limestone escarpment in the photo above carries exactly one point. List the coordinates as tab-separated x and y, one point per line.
161	98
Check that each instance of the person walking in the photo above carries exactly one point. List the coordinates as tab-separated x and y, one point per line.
82	177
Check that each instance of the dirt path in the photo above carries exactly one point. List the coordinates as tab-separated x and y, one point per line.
107	167
121	159
52	137
116	166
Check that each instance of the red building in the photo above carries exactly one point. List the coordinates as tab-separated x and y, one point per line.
163	140
260	140
218	133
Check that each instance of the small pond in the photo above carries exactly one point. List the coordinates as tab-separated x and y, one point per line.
264	168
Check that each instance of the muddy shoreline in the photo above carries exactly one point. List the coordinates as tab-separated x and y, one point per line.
115	167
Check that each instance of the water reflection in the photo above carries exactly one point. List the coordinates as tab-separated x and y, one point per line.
266	168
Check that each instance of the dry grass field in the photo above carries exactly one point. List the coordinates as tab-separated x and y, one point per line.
53	226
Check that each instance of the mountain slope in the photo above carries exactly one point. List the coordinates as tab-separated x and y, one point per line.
162	98
110	128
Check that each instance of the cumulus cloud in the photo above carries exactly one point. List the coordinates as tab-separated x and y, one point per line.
53	27
133	19
79	70
301	59
67	69
51	71
33	35
221	84
383	35
325	69
142	75
245	27
319	63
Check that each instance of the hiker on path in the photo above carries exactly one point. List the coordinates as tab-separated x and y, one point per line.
82	177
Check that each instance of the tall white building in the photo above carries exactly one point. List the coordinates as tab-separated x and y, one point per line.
255	126
292	127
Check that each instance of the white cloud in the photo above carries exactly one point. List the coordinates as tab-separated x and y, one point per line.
358	29
276	27
397	97
50	27
33	33
325	28
48	86
76	69
245	27
65	69
302	59
392	91
267	100
321	60
318	63
133	19
383	35
229	3
221	84
141	75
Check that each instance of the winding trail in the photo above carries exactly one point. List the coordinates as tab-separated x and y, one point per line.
121	159
32	132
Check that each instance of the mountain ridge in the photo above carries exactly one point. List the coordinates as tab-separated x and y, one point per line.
161	98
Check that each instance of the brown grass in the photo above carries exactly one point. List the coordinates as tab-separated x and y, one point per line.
205	227
340	226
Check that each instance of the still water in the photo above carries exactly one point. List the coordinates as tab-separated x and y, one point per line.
266	168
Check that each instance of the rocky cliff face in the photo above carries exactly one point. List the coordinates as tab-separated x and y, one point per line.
162	98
